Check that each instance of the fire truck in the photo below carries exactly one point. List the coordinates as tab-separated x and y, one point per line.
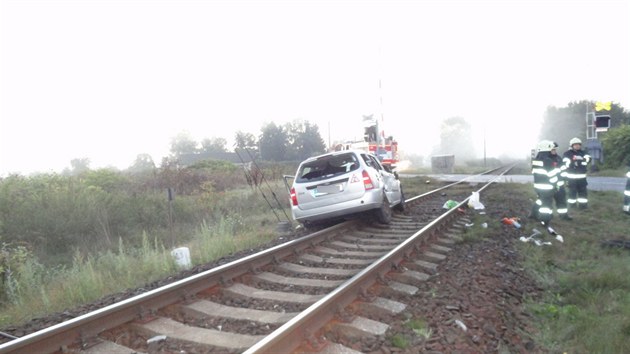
375	142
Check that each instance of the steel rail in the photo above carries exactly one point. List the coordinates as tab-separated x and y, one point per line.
82	328
308	322
431	193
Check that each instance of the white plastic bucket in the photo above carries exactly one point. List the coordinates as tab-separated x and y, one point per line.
182	257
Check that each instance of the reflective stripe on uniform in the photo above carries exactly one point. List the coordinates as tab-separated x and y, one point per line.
543	186
626	193
539	171
576	176
628	174
563	171
582	200
561	183
563	211
545	210
537	163
571	201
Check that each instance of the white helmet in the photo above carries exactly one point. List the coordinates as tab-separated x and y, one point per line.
546	145
575	141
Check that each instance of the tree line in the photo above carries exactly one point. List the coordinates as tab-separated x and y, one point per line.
292	141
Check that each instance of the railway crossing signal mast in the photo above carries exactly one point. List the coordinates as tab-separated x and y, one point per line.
374	139
597	120
375	142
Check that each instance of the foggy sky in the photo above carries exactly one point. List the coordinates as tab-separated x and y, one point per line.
109	80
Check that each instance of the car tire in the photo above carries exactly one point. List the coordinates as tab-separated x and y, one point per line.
384	213
401	206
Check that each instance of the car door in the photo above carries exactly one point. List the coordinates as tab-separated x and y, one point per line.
391	183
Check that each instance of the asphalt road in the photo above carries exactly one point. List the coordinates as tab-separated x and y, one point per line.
594	183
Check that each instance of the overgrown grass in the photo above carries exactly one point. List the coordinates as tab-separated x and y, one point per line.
585	307
399	341
420	328
34	289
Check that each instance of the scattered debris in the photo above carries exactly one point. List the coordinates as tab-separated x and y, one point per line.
450	204
461	325
473	202
534	238
553	232
512	221
156	339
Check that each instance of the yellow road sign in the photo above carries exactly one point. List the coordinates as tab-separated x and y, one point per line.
602	106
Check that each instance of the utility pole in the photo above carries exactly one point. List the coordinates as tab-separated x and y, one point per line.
329	144
484	144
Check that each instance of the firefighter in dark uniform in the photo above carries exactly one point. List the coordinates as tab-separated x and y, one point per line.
546	177
560	195
626	193
576	162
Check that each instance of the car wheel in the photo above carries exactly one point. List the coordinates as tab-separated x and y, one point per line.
401	206
384	213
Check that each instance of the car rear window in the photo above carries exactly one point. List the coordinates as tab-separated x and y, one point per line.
327	167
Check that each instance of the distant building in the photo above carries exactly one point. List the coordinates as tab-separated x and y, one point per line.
443	163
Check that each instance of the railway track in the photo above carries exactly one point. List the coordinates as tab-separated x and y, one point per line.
324	292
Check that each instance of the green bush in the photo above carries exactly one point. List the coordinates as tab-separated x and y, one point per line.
54	215
616	144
